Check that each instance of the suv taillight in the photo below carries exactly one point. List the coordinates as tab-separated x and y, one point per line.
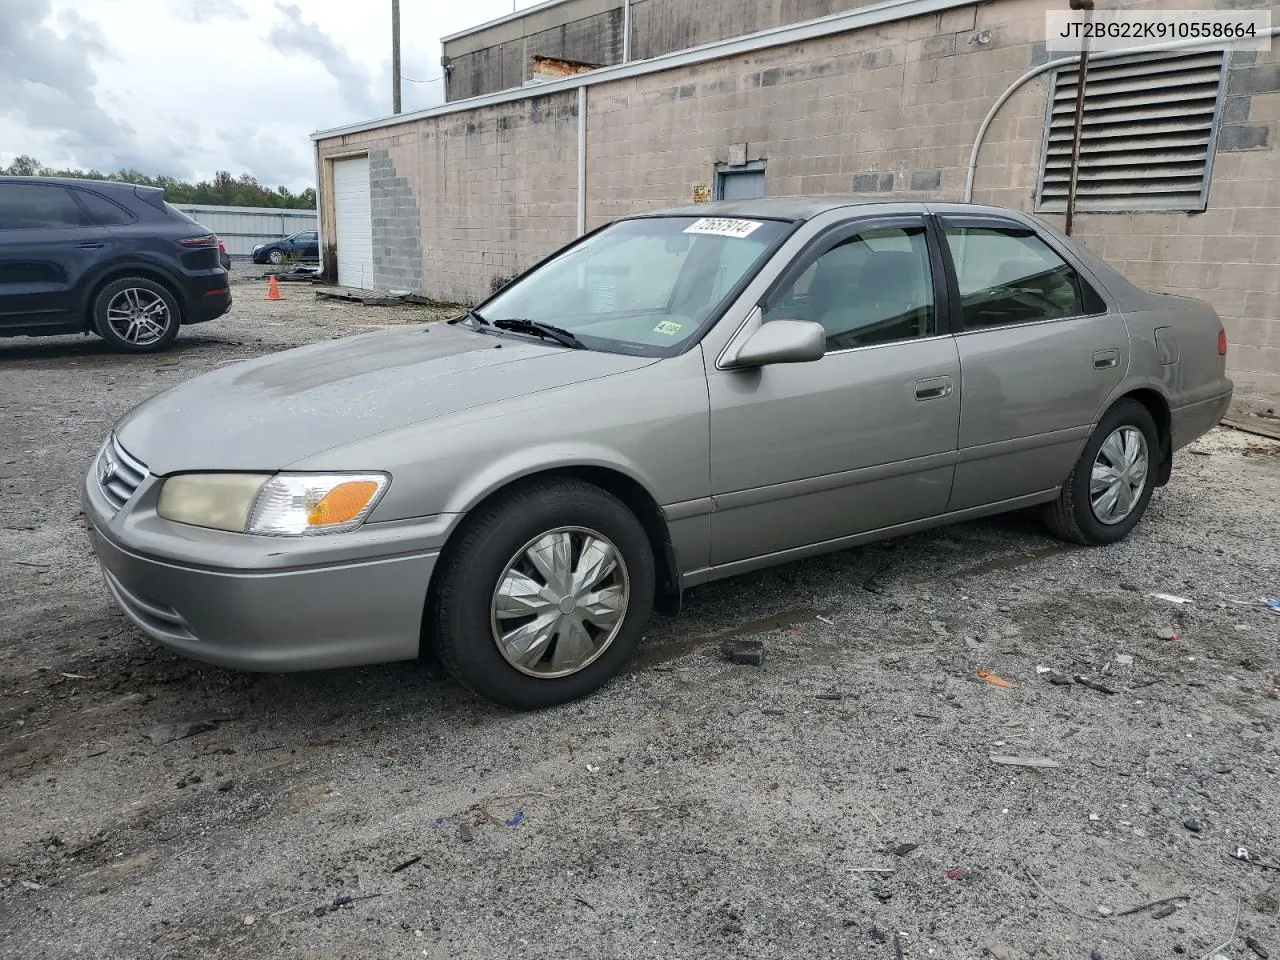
208	240
222	247
1222	343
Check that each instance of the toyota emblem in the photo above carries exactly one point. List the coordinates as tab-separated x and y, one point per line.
106	469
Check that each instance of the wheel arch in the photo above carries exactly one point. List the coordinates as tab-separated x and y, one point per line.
121	272
1158	406
634	496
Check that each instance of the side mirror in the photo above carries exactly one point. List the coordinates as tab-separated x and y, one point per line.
783	341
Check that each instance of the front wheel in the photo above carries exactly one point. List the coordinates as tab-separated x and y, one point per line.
136	315
1111	484
545	595
276	256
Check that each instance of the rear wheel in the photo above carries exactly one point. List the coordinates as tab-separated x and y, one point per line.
136	315
1111	484
545	596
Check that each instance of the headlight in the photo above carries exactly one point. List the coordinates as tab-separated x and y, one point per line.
286	504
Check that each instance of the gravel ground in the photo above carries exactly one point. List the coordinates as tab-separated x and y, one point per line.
838	801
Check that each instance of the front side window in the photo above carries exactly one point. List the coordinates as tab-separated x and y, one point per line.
640	286
33	206
875	287
303	238
1012	276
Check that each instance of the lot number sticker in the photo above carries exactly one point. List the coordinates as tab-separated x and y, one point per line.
669	327
723	227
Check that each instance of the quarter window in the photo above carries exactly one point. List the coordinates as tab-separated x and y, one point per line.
875	287
33	206
102	212
1012	276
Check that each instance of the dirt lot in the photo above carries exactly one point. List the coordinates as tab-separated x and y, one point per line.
838	801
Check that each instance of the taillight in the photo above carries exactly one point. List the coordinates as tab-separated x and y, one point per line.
222	247
1222	343
207	241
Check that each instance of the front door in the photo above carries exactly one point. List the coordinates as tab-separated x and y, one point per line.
862	439
1039	355
44	252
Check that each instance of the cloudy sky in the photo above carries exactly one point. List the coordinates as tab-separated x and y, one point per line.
187	87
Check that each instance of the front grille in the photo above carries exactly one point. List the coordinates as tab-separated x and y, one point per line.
119	474
155	618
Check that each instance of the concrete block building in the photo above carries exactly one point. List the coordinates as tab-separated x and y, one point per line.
1179	178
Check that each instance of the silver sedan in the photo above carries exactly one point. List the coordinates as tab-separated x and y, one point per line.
672	399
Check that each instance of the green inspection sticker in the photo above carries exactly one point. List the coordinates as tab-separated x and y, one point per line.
669	327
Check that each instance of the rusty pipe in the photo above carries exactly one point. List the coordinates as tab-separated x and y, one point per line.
1077	129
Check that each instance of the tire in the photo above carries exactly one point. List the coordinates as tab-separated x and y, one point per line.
1084	515
575	652
275	256
136	315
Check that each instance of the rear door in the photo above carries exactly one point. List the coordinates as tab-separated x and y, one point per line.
860	440
45	249
1040	351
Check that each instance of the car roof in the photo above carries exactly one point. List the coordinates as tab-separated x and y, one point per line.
102	186
806	208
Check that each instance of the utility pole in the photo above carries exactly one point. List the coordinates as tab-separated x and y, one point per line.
395	56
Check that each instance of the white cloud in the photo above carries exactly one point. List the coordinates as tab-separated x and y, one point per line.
189	87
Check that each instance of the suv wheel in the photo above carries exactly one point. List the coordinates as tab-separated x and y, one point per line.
545	596
136	315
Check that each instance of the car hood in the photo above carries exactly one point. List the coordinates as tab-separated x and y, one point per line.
267	413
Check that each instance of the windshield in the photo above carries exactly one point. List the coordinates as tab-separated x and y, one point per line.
640	286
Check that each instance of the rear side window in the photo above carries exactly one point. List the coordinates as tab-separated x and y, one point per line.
103	212
1012	276
33	206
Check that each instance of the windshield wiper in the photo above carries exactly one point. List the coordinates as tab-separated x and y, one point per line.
544	330
471	315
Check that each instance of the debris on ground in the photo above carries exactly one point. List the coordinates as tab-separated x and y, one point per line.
1124	659
743	651
1171	598
1167	633
1272	604
994	679
406	864
1033	762
163	733
1094	685
1168	910
1253	944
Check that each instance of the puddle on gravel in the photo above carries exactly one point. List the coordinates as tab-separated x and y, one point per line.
1017	560
650	657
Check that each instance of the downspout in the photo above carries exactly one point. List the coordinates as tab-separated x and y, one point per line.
582	160
626	31
1077	128
1053	65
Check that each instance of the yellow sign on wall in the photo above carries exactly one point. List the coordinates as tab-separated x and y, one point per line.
701	193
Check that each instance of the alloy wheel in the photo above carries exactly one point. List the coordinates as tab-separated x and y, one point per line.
138	316
560	602
1119	474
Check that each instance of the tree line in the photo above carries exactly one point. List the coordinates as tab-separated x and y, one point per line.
223	190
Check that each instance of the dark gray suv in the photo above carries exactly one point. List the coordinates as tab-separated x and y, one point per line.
90	256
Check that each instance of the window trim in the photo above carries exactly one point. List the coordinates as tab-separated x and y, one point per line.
988	222
1211	146
837	234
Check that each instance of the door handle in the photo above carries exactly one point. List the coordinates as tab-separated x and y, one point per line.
90	245
1102	359
933	388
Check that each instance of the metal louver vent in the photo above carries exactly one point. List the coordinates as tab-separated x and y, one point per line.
1147	138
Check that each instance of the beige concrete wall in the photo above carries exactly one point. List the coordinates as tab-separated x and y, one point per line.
894	110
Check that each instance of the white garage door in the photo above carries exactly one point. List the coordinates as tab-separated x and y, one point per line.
354	222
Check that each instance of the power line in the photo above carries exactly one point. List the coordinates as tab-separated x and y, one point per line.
429	80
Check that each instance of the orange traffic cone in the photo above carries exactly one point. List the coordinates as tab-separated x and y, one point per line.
273	289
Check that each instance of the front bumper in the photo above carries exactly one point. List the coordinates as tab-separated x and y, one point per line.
265	603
